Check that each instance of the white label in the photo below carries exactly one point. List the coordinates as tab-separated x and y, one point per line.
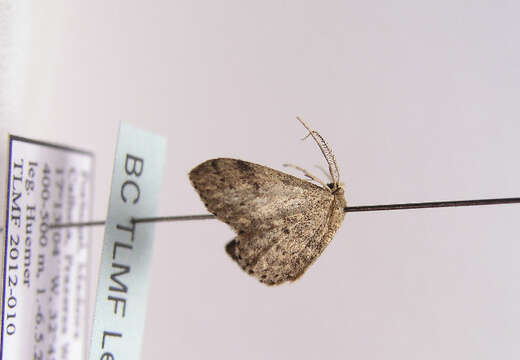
45	279
122	291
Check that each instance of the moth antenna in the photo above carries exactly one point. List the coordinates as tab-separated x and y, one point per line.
325	150
329	156
309	175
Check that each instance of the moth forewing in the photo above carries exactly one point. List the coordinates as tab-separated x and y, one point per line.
283	223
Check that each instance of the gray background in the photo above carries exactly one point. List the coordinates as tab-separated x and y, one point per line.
419	101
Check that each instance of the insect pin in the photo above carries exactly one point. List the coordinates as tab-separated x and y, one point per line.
283	223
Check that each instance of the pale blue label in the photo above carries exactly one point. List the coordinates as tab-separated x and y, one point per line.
122	291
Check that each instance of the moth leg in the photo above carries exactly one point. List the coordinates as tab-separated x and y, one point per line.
327	175
309	175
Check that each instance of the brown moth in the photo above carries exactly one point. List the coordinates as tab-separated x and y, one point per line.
283	223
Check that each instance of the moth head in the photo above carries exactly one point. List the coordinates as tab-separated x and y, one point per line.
335	187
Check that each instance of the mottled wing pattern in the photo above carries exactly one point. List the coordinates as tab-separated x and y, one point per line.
283	223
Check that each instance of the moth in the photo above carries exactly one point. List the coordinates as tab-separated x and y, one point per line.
282	223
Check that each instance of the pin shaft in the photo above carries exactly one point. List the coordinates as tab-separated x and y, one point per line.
434	204
362	208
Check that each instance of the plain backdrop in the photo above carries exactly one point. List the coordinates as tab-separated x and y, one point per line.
419	101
